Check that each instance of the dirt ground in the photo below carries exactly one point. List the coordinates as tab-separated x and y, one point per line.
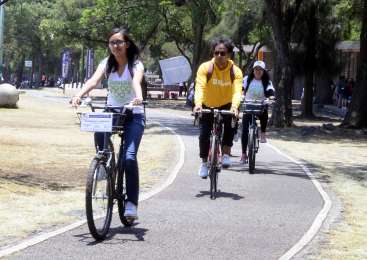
44	158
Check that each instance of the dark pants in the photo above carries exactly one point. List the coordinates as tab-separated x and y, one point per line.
206	124
133	133
246	120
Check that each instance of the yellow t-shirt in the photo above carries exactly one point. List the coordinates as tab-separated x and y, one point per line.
219	90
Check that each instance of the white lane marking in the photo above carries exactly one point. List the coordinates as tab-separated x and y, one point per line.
320	218
144	196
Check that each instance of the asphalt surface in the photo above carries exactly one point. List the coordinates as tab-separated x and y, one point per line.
257	216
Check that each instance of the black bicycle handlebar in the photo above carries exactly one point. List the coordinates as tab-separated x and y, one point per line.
212	111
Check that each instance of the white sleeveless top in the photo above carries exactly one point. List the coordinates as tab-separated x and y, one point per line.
256	89
120	90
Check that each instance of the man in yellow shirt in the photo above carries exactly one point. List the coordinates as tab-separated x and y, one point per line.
218	85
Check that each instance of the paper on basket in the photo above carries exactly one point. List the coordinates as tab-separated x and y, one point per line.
96	122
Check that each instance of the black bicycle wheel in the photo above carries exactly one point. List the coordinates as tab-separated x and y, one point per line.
98	199
251	150
213	171
127	222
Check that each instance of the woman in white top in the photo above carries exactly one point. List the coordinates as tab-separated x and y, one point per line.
256	86
124	73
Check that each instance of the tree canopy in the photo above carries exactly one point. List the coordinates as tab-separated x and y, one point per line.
40	30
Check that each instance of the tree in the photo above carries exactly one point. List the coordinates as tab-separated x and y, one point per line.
315	35
356	116
25	40
244	23
282	14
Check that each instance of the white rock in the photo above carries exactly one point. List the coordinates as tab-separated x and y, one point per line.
9	95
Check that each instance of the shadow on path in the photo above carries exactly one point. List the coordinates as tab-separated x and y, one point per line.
114	236
220	194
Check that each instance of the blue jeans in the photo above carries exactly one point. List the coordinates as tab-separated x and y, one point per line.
133	132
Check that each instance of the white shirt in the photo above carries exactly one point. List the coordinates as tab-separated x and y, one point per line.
256	90
120	90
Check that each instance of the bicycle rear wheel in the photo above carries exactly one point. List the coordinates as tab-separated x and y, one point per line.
127	222
251	150
98	199
213	171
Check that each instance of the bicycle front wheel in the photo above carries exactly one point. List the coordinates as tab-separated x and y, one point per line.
98	199
251	150
213	168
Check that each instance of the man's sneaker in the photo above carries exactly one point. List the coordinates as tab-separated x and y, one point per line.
244	159
262	138
203	171
130	210
226	161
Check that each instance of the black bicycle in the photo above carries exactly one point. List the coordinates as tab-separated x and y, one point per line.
254	108
215	148
105	179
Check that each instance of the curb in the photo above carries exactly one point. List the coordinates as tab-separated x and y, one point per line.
321	216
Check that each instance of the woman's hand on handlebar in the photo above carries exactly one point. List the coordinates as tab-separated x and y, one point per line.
234	110
76	101
198	109
137	101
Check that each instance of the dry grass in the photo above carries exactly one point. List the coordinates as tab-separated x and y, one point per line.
340	158
44	158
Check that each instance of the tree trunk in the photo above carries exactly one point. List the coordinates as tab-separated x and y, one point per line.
198	43
283	77
356	116
324	91
20	72
200	17
310	43
32	81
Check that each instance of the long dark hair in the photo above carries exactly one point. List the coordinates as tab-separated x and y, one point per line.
265	79
132	52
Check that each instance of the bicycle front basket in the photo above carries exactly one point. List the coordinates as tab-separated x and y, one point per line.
253	108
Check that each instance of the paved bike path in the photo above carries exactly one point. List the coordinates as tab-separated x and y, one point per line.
256	216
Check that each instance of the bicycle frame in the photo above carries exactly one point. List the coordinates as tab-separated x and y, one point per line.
215	151
253	108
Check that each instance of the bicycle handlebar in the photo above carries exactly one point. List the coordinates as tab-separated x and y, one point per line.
88	102
266	101
213	111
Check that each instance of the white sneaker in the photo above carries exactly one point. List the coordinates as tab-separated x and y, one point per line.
226	161
131	210
203	170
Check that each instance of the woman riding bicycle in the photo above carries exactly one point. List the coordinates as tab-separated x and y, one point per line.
256	86
124	73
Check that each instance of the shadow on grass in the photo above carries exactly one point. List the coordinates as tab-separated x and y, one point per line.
31	181
317	134
179	104
356	172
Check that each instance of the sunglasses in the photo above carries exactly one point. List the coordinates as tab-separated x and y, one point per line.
117	42
220	53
